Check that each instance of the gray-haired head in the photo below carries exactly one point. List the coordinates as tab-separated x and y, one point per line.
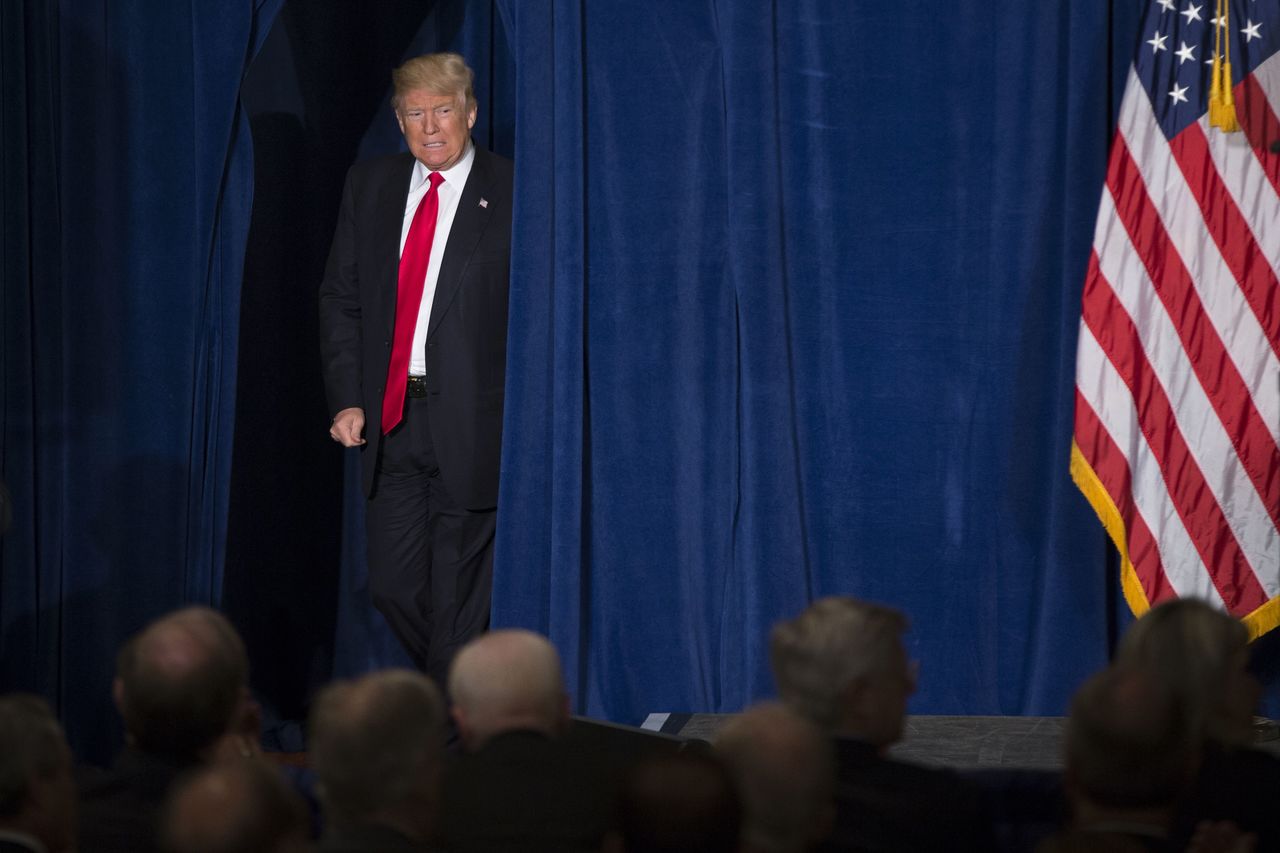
841	663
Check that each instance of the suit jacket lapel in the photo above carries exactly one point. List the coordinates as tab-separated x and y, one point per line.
468	224
388	220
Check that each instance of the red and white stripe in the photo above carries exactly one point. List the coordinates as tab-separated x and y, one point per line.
1178	367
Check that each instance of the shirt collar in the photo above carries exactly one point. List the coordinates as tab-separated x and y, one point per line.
454	176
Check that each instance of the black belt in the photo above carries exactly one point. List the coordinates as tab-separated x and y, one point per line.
416	386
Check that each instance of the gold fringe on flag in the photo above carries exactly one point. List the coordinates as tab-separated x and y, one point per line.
1222	102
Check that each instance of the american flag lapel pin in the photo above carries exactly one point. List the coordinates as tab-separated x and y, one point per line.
484	202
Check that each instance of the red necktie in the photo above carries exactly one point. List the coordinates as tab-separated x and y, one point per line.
413	275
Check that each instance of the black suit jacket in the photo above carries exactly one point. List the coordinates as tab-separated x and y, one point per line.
888	805
523	792
466	346
119	808
369	838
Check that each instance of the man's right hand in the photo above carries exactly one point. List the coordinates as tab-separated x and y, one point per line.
348	427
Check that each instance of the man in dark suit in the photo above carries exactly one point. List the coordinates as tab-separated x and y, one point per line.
842	664
376	745
37	794
519	786
181	687
1131	755
413	325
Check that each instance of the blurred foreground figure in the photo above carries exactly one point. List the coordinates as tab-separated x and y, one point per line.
517	786
37	794
1130	756
841	663
681	803
1202	655
182	690
376	744
785	772
235	807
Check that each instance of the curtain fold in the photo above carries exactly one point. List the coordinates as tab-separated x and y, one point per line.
123	313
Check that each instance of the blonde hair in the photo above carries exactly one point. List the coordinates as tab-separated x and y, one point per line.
439	73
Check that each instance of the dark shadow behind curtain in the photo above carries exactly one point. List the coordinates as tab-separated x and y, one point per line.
127	176
794	309
318	100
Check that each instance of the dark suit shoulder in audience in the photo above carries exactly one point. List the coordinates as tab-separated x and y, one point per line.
119	808
370	838
16	845
887	805
1115	839
522	791
1239	785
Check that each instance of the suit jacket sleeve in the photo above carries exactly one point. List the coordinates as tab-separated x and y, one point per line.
340	311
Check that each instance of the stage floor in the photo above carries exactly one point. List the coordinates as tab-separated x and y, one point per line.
965	743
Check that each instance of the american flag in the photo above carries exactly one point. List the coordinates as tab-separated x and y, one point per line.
1177	418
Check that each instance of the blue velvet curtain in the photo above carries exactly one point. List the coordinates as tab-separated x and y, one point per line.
794	311
794	305
127	179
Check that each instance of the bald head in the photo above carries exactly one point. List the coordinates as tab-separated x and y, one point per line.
507	680
785	771
180	681
235	807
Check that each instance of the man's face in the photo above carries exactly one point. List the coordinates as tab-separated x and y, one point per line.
882	699
435	126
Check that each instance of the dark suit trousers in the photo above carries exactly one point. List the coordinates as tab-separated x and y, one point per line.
430	560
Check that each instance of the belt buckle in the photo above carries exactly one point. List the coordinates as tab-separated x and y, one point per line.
416	386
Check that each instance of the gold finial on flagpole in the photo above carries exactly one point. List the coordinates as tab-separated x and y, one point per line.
1222	102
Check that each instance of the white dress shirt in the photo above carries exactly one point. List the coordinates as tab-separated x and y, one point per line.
450	192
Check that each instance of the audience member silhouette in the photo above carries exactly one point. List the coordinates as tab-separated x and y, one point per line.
1130	756
785	773
242	806
181	687
37	793
376	744
683	802
517	786
1202	655
841	663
